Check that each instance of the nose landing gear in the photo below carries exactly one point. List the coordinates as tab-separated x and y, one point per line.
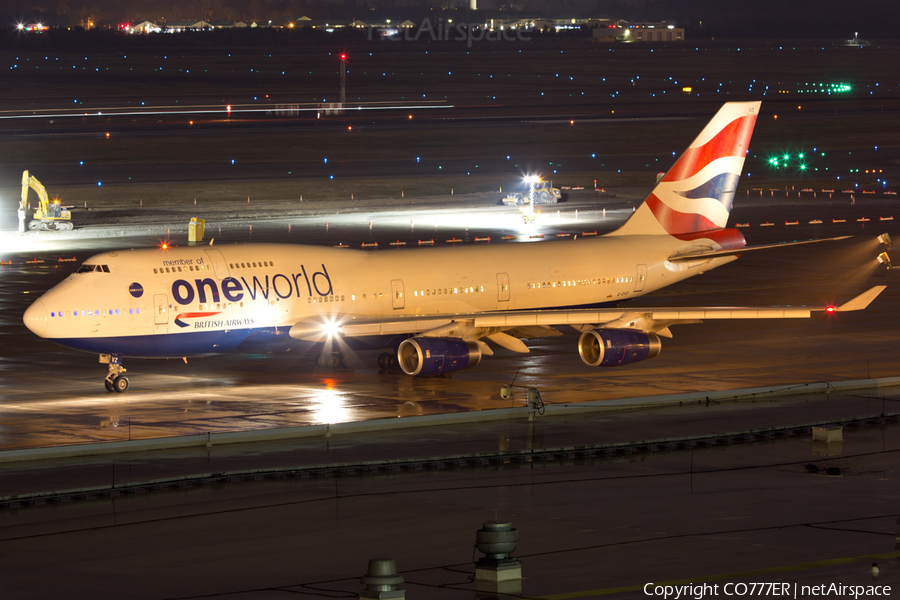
115	380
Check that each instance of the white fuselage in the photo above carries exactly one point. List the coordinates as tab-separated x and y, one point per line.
208	299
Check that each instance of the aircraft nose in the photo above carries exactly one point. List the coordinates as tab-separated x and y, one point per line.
36	318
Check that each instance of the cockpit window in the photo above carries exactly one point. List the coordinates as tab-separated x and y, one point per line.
92	269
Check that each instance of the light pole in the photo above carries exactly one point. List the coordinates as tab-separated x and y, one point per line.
343	80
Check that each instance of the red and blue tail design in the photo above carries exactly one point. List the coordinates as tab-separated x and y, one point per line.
696	194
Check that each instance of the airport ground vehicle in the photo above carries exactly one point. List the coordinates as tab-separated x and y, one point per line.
49	215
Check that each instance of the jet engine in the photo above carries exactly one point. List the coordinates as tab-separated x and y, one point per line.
427	357
617	347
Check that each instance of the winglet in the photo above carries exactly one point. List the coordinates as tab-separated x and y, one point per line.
861	301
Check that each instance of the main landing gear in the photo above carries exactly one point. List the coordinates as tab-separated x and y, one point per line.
332	360
388	360
115	380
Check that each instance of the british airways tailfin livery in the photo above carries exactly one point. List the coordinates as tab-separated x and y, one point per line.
436	309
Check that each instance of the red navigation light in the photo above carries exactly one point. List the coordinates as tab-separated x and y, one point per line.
229	109
829	309
343	56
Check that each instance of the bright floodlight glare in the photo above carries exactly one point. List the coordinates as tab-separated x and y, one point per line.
330	328
884	259
885	239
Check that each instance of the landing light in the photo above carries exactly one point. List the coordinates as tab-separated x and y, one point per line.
331	328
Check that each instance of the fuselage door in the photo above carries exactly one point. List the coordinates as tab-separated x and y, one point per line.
218	263
502	287
397	299
640	278
160	309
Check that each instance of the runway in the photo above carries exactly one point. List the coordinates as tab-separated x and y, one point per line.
52	396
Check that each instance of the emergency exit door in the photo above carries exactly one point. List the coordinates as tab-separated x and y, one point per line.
502	287
160	309
640	278
397	300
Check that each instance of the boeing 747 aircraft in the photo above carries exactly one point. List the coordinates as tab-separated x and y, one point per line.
437	309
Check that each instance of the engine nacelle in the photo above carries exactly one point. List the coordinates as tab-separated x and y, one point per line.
617	347
427	357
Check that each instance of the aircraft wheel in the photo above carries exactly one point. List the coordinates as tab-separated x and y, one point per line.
109	385
393	362
333	360
384	360
120	384
347	359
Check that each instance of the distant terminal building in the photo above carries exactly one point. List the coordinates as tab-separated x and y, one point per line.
145	27
628	32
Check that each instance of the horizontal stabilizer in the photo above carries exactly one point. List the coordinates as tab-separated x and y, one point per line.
710	253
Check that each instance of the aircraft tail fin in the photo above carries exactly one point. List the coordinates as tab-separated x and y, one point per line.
696	194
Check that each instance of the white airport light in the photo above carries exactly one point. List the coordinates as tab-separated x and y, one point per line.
884	259
885	239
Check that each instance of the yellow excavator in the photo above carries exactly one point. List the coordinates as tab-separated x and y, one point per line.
49	215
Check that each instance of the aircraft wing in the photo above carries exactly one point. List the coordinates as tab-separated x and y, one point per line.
714	253
539	323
